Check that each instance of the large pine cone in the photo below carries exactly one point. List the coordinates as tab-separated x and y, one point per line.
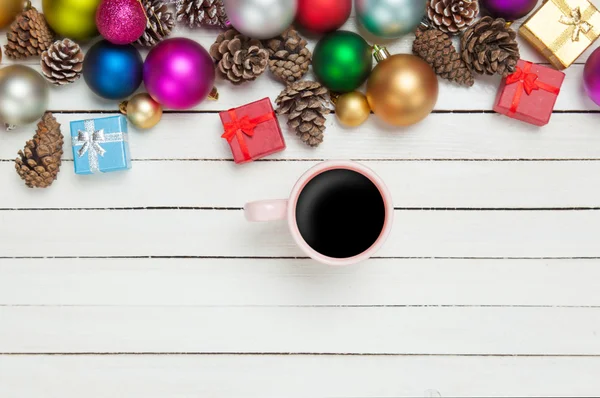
197	13
437	49
240	58
38	163
306	104
289	57
29	35
490	47
62	63
159	25
452	16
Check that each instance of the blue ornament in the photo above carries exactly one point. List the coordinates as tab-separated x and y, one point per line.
111	71
390	19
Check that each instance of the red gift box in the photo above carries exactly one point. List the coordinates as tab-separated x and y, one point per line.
530	93
252	131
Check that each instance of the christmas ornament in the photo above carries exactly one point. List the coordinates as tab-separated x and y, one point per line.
342	61
452	16
561	30
197	13
490	47
62	63
436	48
261	19
39	162
591	76
121	21
323	16
403	89
75	19
510	10
289	58
142	111
306	104
179	73
352	109
9	9
390	19
112	71
159	25
23	95
29	35
239	58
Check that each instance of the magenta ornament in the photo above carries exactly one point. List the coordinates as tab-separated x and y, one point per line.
591	76
179	73
121	21
510	10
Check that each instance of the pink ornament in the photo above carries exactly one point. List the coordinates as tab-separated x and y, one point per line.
121	21
591	76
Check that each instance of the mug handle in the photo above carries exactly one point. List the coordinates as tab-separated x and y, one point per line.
266	210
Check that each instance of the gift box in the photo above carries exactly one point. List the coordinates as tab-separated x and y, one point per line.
252	131
562	30
530	93
100	145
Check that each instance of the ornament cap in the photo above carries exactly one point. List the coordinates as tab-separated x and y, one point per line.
214	94
380	53
123	107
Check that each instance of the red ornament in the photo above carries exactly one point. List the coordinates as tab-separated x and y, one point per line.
323	16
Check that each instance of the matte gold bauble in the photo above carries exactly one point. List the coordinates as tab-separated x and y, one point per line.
75	19
402	89
352	109
142	111
9	9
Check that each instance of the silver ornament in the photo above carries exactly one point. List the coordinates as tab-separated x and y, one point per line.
23	95
261	19
390	19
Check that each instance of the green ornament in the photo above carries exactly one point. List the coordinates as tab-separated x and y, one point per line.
342	61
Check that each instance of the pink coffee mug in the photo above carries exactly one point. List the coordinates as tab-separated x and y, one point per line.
285	209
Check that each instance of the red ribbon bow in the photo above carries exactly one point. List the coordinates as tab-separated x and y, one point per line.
238	127
528	82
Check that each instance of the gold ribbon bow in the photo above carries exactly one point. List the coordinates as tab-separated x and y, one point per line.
576	21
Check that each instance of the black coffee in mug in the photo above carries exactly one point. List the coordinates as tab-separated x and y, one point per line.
340	213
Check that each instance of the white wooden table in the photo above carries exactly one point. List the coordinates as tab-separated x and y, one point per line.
149	283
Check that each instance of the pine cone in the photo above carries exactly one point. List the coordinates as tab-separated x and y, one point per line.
289	57
452	16
62	62
39	163
306	103
197	13
490	47
240	58
159	25
29	35
436	48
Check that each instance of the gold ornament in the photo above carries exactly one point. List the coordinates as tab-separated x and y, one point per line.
75	19
352	109
142	111
9	9
402	89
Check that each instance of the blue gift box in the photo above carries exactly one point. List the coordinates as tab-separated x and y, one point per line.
100	145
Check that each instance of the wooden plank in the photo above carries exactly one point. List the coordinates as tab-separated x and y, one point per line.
296	376
243	282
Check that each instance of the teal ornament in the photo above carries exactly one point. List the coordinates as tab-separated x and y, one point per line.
390	19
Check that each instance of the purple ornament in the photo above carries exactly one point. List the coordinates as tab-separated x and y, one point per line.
179	73
510	10
121	21
591	76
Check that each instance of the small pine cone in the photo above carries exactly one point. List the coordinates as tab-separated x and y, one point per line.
38	163
306	104
452	16
436	48
490	47
289	57
159	25
197	13
62	62
239	58
29	35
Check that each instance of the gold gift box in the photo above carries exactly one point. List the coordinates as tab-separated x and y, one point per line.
562	30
